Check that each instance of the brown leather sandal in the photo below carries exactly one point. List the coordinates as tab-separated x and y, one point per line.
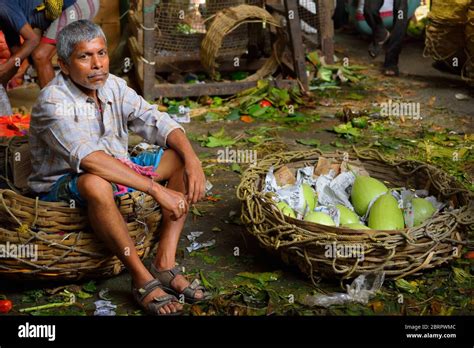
153	307
189	293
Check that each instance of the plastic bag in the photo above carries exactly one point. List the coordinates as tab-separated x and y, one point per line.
358	291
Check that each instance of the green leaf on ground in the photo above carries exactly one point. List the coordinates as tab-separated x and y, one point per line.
347	129
196	211
355	96
83	295
234	115
205	282
261	277
313	57
32	296
461	276
205	155
204	255
410	287
213	141
235	167
90	286
309	142
213	116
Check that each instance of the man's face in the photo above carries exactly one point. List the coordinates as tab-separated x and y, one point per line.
89	64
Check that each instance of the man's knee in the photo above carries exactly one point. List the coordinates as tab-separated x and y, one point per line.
41	54
93	188
175	159
372	8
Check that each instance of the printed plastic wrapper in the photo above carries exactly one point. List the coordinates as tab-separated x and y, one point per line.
290	194
209	186
194	235
359	291
404	200
197	245
331	190
104	308
335	190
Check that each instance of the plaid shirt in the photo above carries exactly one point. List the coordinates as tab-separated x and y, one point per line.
66	126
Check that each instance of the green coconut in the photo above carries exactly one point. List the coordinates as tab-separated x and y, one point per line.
319	218
286	209
346	216
364	190
310	197
422	210
385	214
356	226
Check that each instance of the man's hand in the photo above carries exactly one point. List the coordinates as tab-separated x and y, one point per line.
170	200
196	180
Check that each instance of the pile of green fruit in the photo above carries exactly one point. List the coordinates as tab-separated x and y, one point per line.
384	214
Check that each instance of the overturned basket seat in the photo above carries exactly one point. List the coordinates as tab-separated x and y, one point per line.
398	253
43	240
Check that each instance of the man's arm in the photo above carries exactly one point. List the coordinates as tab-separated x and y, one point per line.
31	41
178	141
158	128
110	169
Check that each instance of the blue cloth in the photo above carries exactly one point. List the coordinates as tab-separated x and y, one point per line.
14	14
66	190
148	158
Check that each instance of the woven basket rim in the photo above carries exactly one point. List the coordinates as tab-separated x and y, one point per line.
250	13
266	200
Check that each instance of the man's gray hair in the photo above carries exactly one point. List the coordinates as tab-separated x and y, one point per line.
74	33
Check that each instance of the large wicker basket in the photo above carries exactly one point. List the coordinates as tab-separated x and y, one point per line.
227	21
58	242
399	253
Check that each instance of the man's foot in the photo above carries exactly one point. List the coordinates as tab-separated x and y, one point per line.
154	300
392	71
376	47
174	281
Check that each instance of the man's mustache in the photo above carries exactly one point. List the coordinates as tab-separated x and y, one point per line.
97	74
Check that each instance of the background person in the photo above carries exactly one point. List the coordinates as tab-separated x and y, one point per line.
382	38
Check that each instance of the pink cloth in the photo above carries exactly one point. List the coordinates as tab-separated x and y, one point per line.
142	170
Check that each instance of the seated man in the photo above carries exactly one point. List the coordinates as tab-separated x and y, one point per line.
79	143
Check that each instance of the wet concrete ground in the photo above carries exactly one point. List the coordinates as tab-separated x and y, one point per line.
419	82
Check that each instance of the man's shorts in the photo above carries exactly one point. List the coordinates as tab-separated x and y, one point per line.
66	190
81	9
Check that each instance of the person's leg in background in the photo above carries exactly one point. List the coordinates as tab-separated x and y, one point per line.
5	107
394	45
379	34
42	58
44	53
340	16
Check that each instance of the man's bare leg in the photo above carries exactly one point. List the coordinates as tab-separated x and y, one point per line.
42	56
111	228
171	168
